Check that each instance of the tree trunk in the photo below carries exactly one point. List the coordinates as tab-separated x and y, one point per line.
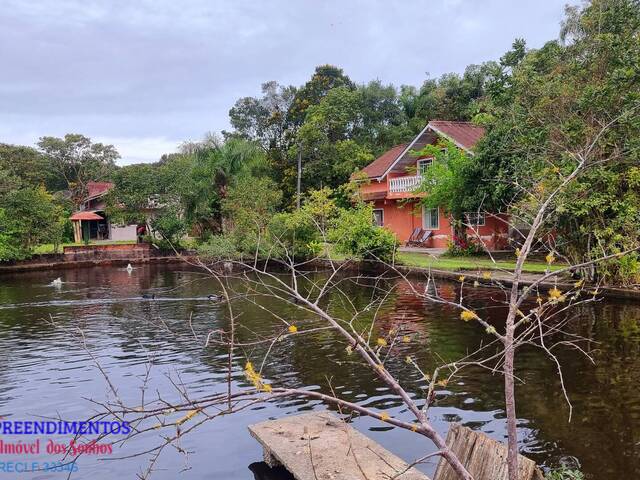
510	399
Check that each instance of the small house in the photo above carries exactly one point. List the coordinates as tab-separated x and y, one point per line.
390	182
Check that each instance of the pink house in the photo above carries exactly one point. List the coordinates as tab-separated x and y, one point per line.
389	182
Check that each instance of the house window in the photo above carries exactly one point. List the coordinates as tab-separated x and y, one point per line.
423	165
378	217
475	219
430	218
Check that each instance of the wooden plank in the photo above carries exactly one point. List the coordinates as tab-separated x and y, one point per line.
484	458
320	446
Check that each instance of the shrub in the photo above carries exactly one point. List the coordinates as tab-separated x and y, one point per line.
463	247
628	269
169	225
29	217
564	473
354	233
294	234
219	247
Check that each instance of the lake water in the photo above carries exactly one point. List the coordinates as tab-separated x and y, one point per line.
47	371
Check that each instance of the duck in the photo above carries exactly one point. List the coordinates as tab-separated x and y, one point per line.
129	268
214	298
57	282
149	296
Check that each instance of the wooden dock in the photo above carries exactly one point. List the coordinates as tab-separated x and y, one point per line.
320	446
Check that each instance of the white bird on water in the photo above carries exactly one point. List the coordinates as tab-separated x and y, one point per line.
57	282
129	268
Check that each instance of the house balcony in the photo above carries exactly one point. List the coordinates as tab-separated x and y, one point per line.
404	184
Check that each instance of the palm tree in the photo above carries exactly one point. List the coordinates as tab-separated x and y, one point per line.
216	166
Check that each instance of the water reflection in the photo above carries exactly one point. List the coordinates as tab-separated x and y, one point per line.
49	371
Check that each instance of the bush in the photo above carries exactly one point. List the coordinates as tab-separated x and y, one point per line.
170	226
463	247
28	217
564	473
294	234
628	271
219	247
355	234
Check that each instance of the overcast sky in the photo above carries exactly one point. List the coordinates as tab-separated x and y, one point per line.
146	75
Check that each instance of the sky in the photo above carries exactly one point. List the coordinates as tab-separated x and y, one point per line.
146	75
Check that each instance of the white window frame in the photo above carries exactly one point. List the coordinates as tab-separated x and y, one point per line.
425	225
381	210
480	217
423	161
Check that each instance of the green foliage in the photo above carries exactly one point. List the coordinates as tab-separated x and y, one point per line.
216	165
325	78
355	234
219	247
22	166
564	474
128	201
294	235
447	181
302	233
29	216
464	248
76	160
546	108
170	225
248	208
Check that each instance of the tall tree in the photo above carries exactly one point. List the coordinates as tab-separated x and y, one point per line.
24	166
216	165
325	78
76	160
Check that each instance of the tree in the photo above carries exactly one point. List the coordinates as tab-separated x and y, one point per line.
29	216
248	207
24	166
448	183
76	160
169	224
324	79
549	101
265	119
216	165
134	187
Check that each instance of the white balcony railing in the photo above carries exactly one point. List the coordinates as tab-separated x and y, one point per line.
404	184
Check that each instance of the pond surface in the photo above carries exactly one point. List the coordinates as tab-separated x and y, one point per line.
46	371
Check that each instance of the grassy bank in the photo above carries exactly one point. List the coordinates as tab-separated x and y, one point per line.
415	259
50	248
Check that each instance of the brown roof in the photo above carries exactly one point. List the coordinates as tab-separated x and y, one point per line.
383	162
465	134
85	216
95	189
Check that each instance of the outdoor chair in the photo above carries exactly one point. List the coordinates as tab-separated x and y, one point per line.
424	237
415	235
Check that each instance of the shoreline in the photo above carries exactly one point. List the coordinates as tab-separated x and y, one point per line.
58	262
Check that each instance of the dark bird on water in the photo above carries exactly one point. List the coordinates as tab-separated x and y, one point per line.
214	298
150	296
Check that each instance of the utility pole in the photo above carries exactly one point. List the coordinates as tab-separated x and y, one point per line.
299	175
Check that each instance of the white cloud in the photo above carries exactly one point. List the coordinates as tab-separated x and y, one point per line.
140	149
151	73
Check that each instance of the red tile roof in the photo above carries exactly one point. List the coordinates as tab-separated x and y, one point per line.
85	216
95	189
383	162
465	134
